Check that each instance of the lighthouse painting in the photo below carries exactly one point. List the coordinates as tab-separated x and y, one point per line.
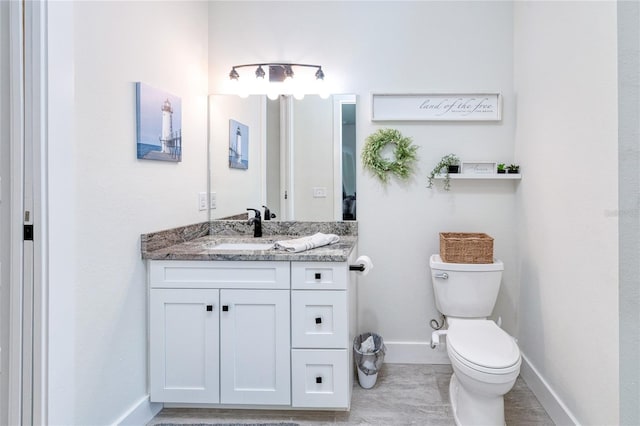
238	145
159	124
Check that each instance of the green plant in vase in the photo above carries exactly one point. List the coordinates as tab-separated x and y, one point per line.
449	163
502	168
514	168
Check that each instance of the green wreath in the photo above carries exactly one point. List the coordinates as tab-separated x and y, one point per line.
404	154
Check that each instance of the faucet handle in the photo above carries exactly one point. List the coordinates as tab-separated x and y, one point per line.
267	213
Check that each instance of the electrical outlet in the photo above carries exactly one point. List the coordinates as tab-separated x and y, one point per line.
202	201
212	200
320	192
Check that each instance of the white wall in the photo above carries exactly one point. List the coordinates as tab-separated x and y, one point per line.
566	141
399	47
118	197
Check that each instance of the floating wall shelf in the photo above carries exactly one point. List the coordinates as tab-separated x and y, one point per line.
494	176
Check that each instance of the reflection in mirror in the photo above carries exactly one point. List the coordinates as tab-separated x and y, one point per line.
301	157
348	152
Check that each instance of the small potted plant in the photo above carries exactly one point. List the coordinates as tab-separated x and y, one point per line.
514	168
502	168
451	164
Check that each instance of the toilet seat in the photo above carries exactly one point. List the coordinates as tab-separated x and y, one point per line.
483	346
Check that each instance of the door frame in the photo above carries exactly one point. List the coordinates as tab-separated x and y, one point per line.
16	108
28	268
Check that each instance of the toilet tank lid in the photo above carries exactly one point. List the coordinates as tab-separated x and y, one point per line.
436	262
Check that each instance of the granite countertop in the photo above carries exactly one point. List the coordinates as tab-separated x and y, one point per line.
197	242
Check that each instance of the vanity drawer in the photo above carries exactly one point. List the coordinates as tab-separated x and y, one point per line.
219	274
319	319
320	378
319	275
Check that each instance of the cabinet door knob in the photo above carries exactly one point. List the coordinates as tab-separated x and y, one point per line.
209	308
318	276
225	308
318	320
319	379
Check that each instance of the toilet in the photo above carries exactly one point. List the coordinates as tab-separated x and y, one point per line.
485	359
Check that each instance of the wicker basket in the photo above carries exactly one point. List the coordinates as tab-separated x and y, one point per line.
461	247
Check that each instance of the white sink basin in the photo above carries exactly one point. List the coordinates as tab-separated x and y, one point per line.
243	246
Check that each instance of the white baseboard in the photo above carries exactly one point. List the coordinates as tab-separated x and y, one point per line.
548	398
140	413
415	353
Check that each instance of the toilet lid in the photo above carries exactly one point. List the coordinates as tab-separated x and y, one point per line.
483	343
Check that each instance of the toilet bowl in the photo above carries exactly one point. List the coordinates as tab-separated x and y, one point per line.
485	359
486	363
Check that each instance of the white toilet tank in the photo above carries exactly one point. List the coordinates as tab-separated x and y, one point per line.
465	290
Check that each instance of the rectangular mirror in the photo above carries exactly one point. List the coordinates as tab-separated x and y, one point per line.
299	154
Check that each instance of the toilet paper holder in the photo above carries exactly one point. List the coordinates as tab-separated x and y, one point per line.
359	267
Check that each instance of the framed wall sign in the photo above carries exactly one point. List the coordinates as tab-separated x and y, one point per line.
479	167
436	107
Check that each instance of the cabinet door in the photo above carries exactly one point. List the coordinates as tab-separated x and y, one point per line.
254	347
183	346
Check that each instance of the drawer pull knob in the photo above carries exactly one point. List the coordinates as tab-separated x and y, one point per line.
225	308
319	379
209	308
318	320
318	276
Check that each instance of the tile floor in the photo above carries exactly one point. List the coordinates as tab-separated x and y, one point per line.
403	395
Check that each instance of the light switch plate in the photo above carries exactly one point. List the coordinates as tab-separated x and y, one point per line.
319	192
212	200
202	201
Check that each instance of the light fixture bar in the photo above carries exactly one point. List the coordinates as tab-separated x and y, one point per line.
281	70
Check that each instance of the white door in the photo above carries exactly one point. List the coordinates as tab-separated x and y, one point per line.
254	347
183	349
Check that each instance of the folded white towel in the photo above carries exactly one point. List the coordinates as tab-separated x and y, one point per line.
307	243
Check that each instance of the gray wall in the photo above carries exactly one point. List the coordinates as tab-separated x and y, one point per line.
567	142
629	195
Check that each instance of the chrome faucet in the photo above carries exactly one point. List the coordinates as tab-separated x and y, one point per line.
256	221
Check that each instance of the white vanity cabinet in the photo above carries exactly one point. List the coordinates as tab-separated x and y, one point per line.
251	333
219	332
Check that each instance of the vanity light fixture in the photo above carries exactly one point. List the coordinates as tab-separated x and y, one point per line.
282	78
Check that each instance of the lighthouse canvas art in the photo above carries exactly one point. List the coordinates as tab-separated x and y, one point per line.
238	145
159	124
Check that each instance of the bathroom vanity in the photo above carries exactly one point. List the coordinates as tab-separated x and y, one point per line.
232	326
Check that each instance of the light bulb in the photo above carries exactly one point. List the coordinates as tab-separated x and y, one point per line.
321	89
